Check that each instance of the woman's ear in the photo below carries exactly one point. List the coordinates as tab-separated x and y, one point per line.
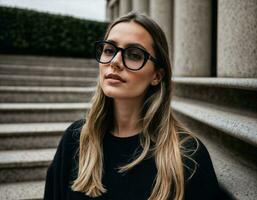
159	74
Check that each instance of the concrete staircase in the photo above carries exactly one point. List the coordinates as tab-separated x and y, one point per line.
40	97
223	114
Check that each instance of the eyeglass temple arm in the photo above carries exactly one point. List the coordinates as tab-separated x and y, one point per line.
152	58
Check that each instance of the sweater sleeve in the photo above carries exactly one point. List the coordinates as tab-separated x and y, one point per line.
53	177
201	184
57	178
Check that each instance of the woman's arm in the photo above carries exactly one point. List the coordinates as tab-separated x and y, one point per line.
57	178
203	183
53	177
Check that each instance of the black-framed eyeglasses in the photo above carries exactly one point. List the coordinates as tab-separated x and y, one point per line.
133	57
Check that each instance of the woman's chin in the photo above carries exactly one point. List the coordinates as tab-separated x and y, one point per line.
110	93
115	94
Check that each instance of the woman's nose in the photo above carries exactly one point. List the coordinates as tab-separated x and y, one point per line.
117	60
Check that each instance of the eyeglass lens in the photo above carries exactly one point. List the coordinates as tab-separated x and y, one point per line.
133	57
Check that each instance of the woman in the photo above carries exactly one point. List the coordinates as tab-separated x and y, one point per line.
130	146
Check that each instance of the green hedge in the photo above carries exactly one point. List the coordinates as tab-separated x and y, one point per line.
25	31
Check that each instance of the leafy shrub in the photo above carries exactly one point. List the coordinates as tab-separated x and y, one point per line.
25	31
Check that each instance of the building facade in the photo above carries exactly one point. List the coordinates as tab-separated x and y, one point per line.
213	47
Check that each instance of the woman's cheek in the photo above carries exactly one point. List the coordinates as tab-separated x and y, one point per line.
101	75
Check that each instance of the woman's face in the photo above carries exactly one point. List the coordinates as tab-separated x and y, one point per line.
135	83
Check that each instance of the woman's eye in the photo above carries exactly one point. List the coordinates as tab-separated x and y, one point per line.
108	51
135	55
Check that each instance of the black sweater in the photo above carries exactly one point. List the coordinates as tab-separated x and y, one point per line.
135	184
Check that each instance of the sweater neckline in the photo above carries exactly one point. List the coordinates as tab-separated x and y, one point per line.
125	139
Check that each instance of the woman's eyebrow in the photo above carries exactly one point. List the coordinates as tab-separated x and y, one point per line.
128	45
135	45
112	41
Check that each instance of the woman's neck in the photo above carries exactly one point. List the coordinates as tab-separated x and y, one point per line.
126	113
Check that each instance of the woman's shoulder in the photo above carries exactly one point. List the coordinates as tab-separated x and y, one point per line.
75	126
72	133
200	177
195	155
192	145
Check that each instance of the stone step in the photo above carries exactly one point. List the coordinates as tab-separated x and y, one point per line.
31	135
223	91
22	94
237	83
230	171
22	80
42	112
239	124
232	138
48	70
47	61
25	165
214	109
232	167
23	190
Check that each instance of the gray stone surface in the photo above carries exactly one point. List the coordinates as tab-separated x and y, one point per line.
24	165
237	38
16	129
115	10
47	89
237	83
31	135
48	70
228	93
107	13
27	148
37	141
25	116
192	38
25	158
12	94
23	190
19	174
237	123
141	6
234	172
47	61
42	112
43	106
124	7
25	80
162	12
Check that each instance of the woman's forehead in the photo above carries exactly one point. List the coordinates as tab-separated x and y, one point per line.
130	32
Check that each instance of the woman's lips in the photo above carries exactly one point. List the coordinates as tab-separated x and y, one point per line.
111	80
114	77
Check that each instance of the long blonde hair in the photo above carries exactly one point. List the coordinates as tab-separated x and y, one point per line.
158	123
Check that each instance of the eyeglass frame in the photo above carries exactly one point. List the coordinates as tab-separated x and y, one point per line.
147	56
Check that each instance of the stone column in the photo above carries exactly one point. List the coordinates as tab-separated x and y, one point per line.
115	10
192	38
108	14
141	6
237	38
125	7
162	12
